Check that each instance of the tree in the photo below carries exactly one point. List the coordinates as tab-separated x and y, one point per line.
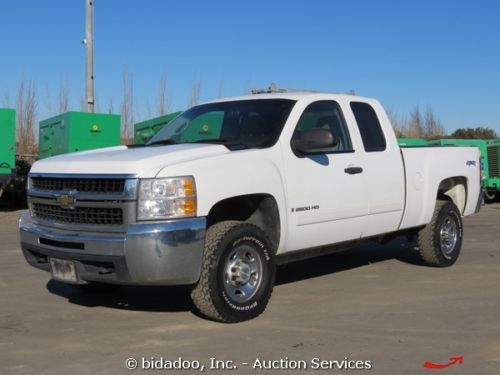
194	96
111	106
163	105
433	128
49	108
127	107
426	126
474	133
415	125
398	123
63	97
26	116
62	100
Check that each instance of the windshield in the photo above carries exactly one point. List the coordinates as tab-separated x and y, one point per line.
237	124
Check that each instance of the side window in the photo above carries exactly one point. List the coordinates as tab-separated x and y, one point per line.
325	114
369	127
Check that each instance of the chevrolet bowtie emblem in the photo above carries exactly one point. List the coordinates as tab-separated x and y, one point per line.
66	201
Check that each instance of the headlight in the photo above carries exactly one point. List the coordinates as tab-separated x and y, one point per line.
166	198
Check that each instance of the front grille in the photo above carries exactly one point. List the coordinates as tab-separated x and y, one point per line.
79	215
493	156
86	185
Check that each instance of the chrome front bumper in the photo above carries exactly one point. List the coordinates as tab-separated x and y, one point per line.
157	253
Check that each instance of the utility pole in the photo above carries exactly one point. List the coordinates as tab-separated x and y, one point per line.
89	46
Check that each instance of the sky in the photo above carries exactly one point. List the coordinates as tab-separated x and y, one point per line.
442	53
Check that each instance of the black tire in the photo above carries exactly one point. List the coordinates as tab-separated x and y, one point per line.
489	196
228	291
440	241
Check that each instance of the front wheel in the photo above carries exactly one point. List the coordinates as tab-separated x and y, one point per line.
440	241
237	275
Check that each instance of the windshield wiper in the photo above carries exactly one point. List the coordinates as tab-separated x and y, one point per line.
232	146
164	142
211	140
221	141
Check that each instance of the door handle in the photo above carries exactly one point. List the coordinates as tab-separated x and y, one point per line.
353	170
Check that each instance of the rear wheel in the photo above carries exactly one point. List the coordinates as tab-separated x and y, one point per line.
440	241
237	275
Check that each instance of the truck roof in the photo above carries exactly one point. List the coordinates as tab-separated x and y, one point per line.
292	95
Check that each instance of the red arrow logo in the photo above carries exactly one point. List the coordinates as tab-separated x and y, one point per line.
453	360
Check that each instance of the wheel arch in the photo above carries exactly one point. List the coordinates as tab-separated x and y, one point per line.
259	209
454	189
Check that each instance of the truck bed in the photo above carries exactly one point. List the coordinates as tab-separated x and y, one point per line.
423	180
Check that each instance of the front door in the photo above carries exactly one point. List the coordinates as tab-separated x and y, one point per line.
325	189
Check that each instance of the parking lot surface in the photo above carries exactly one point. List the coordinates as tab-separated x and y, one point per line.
372	303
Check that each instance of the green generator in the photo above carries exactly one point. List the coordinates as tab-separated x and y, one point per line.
7	140
492	184
13	168
412	142
145	130
77	131
7	147
490	155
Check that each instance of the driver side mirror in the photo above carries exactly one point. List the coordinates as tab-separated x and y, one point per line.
313	139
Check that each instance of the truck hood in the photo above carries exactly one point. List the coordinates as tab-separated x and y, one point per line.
141	161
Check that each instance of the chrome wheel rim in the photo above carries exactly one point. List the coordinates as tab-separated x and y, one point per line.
242	274
448	236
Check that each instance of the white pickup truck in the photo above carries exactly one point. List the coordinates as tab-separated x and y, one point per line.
217	206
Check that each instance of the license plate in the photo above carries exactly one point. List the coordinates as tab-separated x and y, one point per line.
63	270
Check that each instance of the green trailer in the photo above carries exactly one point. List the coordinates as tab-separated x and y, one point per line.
412	142
77	131
145	130
490	156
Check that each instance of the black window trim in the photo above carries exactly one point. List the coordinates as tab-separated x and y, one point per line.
359	129
330	152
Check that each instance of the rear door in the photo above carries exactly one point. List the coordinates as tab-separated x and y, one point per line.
383	167
325	191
